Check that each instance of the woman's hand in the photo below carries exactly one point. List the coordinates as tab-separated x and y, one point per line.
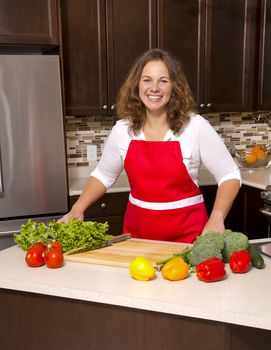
93	190
214	224
73	214
225	196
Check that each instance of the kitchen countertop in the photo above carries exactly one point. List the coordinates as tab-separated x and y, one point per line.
258	178
242	299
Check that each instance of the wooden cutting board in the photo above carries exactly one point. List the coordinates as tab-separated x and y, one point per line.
121	254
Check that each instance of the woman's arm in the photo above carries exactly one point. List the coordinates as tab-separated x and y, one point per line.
225	196
93	190
104	175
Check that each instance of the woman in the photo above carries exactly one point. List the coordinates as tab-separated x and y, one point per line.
161	142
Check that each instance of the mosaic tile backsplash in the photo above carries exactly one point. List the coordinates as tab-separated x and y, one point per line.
236	129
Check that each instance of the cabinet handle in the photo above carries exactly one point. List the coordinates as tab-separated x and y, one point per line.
202	105
209	105
265	212
113	108
104	107
103	205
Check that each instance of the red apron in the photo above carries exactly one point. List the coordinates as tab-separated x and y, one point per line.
164	204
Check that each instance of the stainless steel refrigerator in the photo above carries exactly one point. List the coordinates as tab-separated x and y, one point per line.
33	176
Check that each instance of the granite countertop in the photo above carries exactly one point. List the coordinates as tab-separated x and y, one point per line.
242	299
258	178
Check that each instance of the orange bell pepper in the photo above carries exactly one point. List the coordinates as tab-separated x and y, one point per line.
175	269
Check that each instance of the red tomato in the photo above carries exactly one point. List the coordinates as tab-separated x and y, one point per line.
40	246
56	244
34	256
240	261
54	258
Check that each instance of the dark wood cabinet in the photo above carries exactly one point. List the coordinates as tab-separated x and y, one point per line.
223	46
78	324
101	39
244	216
181	32
213	41
264	72
111	208
29	22
84	56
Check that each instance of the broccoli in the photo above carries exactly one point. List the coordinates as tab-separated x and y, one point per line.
209	245
212	245
234	241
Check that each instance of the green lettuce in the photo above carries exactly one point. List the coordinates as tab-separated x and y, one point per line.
75	234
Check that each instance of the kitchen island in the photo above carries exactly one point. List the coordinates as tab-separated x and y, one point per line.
85	306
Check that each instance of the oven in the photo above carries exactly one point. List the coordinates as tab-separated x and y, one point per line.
266	209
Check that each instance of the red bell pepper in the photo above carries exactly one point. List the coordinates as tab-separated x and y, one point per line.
240	261
211	270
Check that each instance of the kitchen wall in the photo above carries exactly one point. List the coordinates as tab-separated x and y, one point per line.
236	129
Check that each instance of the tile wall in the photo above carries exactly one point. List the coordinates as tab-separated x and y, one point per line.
236	129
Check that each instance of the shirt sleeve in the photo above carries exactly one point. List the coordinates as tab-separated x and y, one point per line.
214	154
110	165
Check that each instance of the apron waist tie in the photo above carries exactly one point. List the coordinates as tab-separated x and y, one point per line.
182	203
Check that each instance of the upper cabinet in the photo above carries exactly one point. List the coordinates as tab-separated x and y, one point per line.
101	40
29	22
264	77
212	39
217	41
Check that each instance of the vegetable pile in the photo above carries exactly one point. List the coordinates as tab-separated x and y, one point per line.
75	234
210	252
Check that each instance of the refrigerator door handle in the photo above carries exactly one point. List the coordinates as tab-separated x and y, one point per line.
1	177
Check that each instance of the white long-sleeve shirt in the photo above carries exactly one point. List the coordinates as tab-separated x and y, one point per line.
200	144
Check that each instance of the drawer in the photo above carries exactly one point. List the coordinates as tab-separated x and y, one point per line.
110	204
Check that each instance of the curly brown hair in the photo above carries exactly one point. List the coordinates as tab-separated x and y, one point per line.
181	103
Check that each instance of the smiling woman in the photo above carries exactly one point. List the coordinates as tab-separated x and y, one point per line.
155	91
158	70
161	142
155	87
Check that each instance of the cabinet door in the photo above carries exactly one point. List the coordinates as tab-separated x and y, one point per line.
84	56
29	22
131	30
264	87
101	39
227	53
181	32
212	39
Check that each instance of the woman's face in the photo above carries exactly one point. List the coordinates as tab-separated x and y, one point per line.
155	87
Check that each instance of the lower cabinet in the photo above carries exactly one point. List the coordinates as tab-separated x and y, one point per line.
111	208
245	215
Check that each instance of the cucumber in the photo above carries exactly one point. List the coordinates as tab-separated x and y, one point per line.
256	257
